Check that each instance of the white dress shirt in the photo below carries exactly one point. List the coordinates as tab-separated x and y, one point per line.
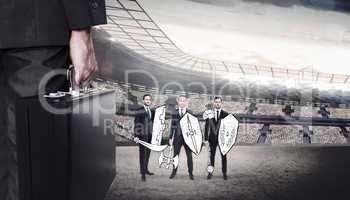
216	114
182	111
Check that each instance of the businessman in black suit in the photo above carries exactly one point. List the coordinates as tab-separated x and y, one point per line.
36	37
176	137
212	126
143	125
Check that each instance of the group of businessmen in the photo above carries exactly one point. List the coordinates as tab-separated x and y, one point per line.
143	124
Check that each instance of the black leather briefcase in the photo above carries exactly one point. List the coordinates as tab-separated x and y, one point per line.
64	156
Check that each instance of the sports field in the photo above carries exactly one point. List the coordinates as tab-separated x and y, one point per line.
254	172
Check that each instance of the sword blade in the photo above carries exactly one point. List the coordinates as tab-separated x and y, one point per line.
153	147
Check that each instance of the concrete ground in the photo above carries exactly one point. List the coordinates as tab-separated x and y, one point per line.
254	172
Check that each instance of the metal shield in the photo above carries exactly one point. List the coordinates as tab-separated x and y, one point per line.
227	133
158	125
191	132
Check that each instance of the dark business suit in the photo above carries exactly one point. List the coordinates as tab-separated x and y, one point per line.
178	140
34	39
212	127
41	23
143	125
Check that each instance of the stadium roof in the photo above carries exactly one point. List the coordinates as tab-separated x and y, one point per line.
131	25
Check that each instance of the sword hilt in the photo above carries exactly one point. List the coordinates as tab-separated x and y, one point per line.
190	132
168	160
126	137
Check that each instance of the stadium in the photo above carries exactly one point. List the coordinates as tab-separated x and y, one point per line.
285	81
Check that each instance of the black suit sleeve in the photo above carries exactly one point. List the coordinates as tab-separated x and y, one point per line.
225	114
153	114
206	129
173	126
82	14
137	129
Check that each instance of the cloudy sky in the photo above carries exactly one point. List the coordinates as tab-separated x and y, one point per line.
293	34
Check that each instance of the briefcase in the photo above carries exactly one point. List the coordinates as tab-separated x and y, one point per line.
63	156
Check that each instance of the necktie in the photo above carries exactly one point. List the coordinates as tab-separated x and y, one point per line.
148	112
217	115
181	112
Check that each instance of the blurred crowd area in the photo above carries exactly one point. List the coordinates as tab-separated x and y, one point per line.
248	134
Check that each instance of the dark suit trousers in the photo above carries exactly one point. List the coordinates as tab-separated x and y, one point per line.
178	143
20	73
213	146
144	153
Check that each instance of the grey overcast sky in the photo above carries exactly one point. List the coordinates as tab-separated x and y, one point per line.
293	34
332	5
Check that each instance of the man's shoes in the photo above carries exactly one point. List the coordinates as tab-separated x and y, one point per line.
172	175
225	177
209	176
149	173
191	176
143	177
